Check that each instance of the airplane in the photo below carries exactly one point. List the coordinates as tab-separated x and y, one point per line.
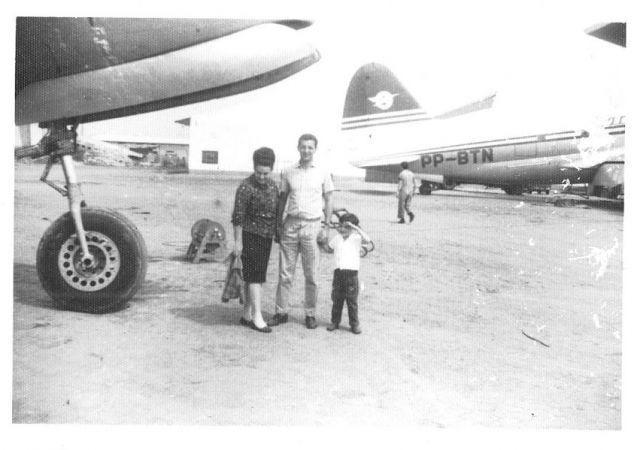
75	70
383	125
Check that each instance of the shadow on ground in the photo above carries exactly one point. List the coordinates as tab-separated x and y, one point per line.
215	314
27	289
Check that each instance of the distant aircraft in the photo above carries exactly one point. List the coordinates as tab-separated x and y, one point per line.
384	125
75	70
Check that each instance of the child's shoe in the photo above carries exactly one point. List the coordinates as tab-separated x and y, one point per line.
355	329
333	327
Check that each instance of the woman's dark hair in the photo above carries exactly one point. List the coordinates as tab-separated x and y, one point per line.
264	156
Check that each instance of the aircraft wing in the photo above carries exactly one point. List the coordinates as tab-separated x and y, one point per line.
393	160
87	69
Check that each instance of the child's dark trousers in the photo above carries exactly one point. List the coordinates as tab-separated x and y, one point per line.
345	287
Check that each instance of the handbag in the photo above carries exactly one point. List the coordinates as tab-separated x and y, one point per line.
233	285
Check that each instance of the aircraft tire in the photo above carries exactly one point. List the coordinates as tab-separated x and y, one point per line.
513	190
120	262
449	185
425	189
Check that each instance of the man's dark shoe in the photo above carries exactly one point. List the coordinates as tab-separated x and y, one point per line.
277	319
333	327
310	322
411	216
401	221
355	329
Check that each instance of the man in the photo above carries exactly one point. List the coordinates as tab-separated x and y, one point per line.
406	187
306	191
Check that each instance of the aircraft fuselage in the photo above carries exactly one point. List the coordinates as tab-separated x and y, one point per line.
544	159
539	159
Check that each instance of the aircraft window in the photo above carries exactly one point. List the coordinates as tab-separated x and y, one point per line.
209	157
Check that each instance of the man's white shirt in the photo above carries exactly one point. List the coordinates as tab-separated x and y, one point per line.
306	188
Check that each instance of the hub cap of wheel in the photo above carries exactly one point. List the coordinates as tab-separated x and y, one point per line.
95	276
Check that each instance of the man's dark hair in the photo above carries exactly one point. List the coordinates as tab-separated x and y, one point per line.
264	156
404	164
308	137
349	217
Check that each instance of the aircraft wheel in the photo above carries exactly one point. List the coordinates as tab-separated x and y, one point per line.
449	185
425	189
513	190
116	273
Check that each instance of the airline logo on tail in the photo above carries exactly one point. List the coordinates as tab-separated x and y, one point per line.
383	100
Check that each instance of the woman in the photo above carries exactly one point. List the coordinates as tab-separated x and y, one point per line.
254	226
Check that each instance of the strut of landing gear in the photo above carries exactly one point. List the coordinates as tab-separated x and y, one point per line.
90	259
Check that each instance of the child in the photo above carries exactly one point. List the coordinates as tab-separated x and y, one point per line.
346	250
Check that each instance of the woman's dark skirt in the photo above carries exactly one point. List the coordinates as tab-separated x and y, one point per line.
256	250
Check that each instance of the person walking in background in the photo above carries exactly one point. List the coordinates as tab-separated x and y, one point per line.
254	226
346	255
406	188
306	191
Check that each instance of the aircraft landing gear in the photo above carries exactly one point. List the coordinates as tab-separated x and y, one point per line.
118	261
425	188
449	185
90	259
513	190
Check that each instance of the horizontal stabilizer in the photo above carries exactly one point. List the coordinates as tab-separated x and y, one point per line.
386	161
478	105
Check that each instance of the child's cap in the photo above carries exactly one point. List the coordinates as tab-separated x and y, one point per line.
349	217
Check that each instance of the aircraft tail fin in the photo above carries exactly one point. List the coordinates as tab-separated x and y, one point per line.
376	97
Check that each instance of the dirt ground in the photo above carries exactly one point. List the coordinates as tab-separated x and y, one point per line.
445	306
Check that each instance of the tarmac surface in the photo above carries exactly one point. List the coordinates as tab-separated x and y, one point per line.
488	310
